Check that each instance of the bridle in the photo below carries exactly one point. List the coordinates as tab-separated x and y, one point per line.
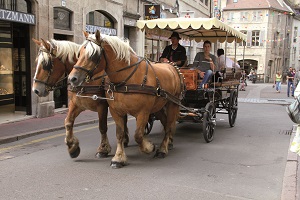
49	68
95	58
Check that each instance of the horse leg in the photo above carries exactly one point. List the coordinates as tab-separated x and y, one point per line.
104	148
71	141
120	158
126	132
161	115
172	111
145	145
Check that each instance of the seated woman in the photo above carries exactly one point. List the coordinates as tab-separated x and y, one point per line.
206	63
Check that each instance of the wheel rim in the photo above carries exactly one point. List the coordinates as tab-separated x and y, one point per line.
209	123
232	108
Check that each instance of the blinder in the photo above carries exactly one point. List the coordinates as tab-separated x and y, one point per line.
95	58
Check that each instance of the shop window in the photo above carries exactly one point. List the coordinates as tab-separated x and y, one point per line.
16	5
98	18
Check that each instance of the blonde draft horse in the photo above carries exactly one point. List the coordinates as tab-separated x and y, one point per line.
136	85
56	59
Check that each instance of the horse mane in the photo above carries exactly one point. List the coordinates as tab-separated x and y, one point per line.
66	49
121	47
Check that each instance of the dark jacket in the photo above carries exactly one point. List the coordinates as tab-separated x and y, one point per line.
179	54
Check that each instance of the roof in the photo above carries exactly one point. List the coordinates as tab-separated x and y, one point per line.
257	4
198	29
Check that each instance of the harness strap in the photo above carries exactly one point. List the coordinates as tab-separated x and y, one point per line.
87	89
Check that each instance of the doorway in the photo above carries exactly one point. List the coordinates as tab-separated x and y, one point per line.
61	94
21	67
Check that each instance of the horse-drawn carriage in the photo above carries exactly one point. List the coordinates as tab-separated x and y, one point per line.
134	86
221	96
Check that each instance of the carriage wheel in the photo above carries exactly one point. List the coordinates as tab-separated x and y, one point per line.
209	122
232	107
149	125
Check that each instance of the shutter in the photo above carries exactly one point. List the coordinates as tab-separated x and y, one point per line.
249	38
262	38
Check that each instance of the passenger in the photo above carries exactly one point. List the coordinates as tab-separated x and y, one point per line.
206	63
174	53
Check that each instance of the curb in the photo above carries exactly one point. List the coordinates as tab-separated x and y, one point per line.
4	140
289	185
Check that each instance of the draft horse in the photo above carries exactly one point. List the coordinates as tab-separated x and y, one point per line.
138	87
55	60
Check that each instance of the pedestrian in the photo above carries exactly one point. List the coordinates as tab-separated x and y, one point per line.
277	82
290	82
205	63
174	53
295	145
297	78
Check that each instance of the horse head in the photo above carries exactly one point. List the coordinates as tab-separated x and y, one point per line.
52	64
97	53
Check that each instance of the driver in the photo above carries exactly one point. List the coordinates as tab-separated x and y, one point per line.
174	53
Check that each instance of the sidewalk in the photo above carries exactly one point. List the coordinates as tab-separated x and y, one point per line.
16	130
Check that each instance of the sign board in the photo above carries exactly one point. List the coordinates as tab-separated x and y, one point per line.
14	16
103	30
152	11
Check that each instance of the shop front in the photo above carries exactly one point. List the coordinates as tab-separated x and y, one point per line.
15	73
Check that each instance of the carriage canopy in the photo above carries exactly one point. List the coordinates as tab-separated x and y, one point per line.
198	29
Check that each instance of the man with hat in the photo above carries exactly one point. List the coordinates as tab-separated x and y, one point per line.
174	53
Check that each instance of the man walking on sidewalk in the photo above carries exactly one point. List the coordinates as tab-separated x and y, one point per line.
290	82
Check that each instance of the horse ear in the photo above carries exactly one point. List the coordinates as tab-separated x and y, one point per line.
97	35
45	44
86	34
37	42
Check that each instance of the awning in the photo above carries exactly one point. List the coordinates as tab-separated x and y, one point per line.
198	29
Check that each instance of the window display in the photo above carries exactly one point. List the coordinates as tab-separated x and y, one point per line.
6	77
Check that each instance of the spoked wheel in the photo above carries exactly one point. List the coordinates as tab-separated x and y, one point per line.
232	107
149	125
209	122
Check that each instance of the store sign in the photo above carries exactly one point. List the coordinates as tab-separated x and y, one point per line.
14	16
103	30
152	12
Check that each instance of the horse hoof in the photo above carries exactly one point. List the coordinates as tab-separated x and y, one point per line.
170	146
101	155
76	153
116	165
159	154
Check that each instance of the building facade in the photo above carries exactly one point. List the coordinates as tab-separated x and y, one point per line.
21	20
268	26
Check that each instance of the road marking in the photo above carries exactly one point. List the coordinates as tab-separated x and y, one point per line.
2	150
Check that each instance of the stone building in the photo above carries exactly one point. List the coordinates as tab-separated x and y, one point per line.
21	20
268	26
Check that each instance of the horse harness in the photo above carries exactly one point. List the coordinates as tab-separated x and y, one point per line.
123	87
49	67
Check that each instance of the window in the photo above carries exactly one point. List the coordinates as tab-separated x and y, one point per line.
295	34
255	38
241	43
257	16
98	18
16	5
206	2
62	18
244	16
